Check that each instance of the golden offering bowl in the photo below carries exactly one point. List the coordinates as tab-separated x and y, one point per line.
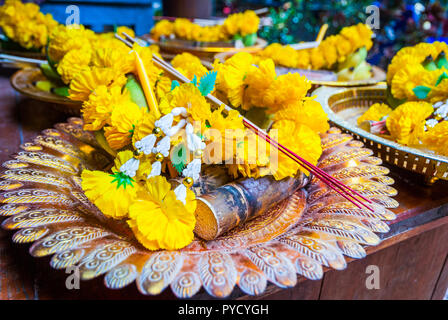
345	105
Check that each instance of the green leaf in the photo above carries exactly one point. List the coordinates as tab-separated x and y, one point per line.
207	82
441	60
44	85
179	157
441	78
195	81
122	180
250	39
421	92
174	84
61	91
49	72
429	64
136	91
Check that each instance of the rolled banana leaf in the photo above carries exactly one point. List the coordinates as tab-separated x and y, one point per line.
234	203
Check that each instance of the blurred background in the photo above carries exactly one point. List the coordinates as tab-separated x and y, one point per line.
401	21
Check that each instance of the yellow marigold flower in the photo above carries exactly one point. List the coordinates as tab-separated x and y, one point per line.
304	59
414	56
189	65
88	80
440	92
365	34
230	77
123	121
438	48
162	28
344	47
333	49
162	86
74	62
116	58
300	139
189	97
285	90
236	24
127	30
159	220
97	110
282	55
108	40
329	51
112	193
144	127
405	80
250	155
221	133
66	38
436	138
399	61
352	35
317	58
250	23
182	28
307	112
406	123
24	24
232	23
375	113
257	80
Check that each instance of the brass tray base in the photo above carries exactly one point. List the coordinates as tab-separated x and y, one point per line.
314	228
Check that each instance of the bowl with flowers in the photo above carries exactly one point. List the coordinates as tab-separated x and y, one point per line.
70	50
407	119
238	32
337	60
25	29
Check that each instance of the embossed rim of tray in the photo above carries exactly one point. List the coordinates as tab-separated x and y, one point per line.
412	159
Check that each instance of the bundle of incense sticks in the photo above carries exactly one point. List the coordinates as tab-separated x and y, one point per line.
343	190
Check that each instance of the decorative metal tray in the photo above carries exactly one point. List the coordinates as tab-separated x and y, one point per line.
24	82
345	105
42	200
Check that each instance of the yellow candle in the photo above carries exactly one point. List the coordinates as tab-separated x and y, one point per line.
146	85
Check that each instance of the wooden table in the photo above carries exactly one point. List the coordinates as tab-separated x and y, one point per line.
412	259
